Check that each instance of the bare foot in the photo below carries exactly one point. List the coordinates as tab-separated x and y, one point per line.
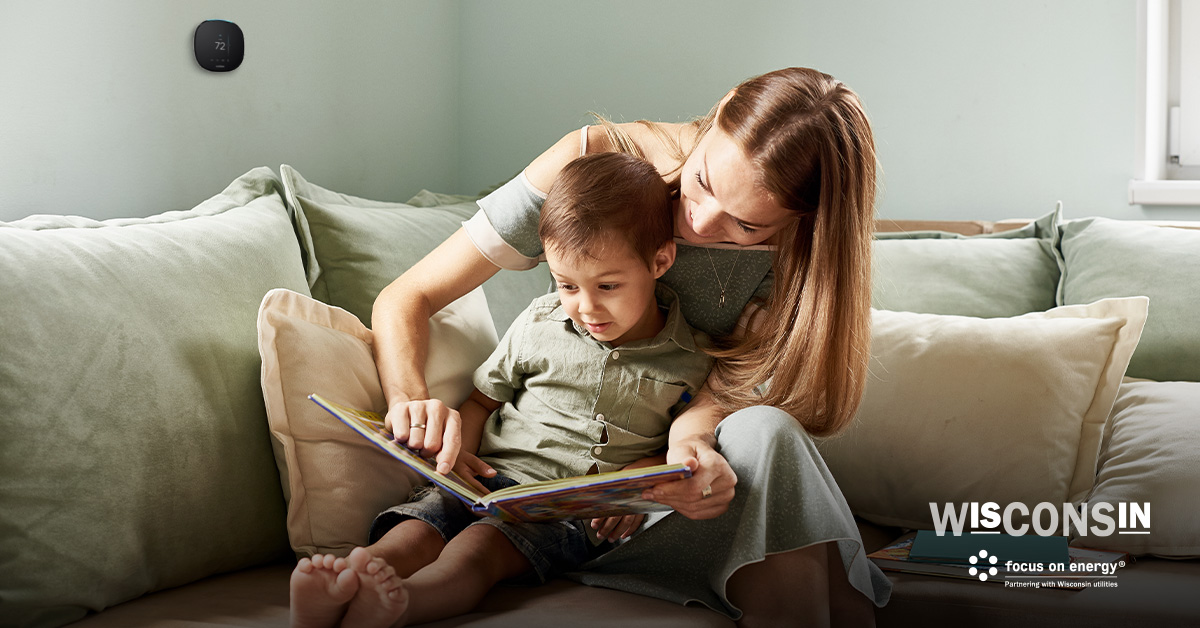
321	590
381	599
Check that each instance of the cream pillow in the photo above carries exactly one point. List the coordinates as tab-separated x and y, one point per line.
1152	454
960	409
335	481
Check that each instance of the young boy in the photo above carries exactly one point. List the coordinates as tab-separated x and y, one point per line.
585	380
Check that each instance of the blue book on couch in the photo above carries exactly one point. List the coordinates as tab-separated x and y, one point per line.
1028	548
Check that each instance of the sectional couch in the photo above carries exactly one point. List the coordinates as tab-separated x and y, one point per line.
159	465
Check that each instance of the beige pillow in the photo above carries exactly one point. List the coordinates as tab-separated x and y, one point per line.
960	409
1152	454
334	480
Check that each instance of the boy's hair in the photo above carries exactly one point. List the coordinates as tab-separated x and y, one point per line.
602	195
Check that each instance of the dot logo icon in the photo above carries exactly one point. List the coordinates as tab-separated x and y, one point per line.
983	560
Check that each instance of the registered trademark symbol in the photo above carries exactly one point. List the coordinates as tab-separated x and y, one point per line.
1121	564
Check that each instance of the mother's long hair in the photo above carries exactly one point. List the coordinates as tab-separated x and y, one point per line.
809	139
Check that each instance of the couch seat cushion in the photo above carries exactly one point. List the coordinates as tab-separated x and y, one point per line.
1151	593
259	598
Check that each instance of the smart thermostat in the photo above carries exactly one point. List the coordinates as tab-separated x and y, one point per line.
219	45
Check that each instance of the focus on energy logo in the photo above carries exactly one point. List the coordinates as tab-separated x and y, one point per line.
983	571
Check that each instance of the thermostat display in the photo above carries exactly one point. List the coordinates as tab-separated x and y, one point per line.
219	45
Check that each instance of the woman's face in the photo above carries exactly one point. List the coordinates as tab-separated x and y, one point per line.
720	199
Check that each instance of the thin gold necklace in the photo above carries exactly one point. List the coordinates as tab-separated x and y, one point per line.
721	302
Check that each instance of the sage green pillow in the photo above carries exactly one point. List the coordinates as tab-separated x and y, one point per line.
988	276
134	451
356	247
1115	258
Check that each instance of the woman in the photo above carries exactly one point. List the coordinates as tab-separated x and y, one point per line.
774	210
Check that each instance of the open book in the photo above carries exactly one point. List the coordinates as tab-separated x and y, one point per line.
584	497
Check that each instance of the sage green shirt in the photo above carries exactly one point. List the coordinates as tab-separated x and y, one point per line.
571	402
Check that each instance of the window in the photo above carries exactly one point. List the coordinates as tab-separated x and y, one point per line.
1168	161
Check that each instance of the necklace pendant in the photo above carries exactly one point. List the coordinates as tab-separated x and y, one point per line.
721	303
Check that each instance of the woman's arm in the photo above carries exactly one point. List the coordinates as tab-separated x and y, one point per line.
692	442
400	318
400	321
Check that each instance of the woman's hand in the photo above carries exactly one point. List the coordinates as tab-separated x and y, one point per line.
614	528
429	426
710	489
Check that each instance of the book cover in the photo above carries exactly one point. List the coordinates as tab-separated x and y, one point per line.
949	548
585	497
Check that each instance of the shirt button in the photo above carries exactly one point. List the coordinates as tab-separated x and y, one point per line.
597	450
616	354
599	417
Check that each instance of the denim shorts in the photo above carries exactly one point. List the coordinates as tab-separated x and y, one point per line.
552	548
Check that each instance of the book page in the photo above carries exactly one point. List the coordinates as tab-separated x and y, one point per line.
372	426
584	497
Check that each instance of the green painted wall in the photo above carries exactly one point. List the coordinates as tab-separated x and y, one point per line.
982	110
104	111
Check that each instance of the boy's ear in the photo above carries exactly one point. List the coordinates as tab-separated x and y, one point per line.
664	258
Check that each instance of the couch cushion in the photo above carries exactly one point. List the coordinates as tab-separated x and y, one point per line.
994	275
1115	258
355	247
960	409
1151	593
258	598
336	481
1152	454
134	452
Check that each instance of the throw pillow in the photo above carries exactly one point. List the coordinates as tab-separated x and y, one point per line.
1115	258
336	481
988	276
134	453
960	409
355	247
1152	454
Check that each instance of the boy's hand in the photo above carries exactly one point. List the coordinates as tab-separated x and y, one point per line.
614	528
469	466
429	426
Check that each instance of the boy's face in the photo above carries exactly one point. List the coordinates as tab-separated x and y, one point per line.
611	297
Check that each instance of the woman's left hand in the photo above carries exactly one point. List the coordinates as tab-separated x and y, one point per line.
710	489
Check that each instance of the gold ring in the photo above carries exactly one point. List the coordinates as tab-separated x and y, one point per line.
418	426
707	492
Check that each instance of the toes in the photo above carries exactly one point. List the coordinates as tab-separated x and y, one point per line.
358	559
347	581
305	566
